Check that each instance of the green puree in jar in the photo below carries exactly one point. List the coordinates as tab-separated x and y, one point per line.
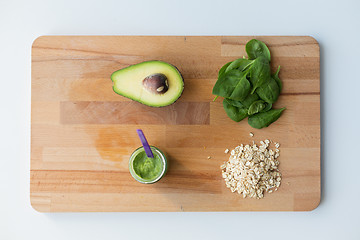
147	168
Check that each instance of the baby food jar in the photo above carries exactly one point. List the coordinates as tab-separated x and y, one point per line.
147	170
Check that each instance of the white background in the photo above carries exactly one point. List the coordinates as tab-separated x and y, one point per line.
335	24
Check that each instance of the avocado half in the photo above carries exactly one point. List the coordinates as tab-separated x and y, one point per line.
153	83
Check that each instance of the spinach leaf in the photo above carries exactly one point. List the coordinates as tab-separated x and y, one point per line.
256	48
264	119
226	83
259	73
223	68
235	103
269	92
240	64
250	99
277	79
256	107
235	113
241	90
267	108
232	85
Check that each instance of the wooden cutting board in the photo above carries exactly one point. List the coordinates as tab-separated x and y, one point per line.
82	133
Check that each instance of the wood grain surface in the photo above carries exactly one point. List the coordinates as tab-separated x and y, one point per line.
82	133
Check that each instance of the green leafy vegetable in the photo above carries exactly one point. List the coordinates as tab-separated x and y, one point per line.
240	64
267	107
223	68
256	107
233	85
264	119
259	73
248	87
241	90
269	92
277	79
255	48
235	113
250	99
235	103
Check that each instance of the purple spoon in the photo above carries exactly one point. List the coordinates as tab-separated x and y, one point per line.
145	143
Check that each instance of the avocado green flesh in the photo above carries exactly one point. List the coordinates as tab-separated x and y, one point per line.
128	82
148	168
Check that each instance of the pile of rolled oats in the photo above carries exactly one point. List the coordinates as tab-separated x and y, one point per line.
252	170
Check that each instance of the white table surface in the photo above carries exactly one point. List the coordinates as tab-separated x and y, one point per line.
335	24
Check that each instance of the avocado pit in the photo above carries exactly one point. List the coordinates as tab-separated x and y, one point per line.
156	83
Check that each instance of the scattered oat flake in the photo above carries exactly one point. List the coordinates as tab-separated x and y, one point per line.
251	134
252	170
209	157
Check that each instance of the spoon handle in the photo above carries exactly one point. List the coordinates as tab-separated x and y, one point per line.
145	143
